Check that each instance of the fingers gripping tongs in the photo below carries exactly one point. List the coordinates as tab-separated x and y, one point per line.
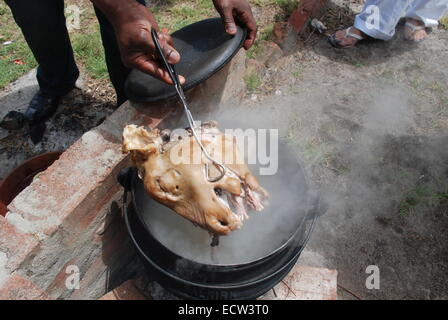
175	78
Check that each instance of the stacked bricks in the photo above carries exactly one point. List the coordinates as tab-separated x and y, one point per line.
70	216
302	283
307	10
306	283
126	291
68	222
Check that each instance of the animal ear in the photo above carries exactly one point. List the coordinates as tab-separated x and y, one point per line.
140	142
209	124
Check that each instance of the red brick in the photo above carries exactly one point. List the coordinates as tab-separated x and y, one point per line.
143	114
66	202
81	177
279	32
272	53
100	247
306	283
62	188
3	208
306	10
116	250
16	245
60	279
18	288
87	213
126	291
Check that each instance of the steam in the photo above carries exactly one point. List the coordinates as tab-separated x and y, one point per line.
265	231
354	152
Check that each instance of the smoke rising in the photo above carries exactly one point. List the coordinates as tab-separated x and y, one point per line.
365	154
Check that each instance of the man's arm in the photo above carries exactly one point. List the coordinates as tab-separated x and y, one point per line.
132	23
239	10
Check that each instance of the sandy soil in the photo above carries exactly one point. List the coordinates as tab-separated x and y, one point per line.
81	110
372	125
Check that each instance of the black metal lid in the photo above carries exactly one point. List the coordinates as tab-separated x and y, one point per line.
205	48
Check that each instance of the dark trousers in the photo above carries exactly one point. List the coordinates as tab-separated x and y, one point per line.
43	25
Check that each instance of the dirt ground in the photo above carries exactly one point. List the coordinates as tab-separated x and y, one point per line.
81	110
371	124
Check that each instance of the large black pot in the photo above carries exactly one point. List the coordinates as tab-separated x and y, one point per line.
205	48
242	277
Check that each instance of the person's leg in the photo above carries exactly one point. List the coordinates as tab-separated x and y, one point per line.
43	25
377	19
422	15
427	11
389	14
117	71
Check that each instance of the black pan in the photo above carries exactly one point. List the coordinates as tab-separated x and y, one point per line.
205	48
179	256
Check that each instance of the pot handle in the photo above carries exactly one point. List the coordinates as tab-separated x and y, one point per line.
125	179
317	205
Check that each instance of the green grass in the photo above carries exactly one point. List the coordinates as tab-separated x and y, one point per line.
419	194
314	151
263	35
87	46
444	23
175	14
298	73
89	51
18	50
288	6
253	83
357	64
171	14
9	70
284	4
437	87
443	107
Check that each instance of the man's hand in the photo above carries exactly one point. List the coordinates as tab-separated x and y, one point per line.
231	10
132	23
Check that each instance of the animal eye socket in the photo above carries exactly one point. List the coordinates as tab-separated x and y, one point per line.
218	191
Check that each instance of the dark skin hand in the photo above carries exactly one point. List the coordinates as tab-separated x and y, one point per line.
240	11
133	22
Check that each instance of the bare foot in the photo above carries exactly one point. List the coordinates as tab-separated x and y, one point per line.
346	38
415	30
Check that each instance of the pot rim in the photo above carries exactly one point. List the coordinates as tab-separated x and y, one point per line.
247	283
11	180
307	210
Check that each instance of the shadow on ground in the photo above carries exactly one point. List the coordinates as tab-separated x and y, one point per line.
80	111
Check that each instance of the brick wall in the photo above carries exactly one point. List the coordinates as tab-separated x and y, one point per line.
71	214
307	10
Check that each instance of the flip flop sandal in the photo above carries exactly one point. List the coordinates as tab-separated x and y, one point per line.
414	28
337	43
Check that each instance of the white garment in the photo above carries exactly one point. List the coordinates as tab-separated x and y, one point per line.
389	12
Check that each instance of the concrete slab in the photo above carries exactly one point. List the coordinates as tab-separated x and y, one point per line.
126	291
79	112
305	283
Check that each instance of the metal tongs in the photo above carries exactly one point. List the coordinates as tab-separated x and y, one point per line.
175	78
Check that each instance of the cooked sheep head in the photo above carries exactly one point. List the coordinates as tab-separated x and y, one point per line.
173	170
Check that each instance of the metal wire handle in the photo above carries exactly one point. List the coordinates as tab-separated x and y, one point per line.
175	78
